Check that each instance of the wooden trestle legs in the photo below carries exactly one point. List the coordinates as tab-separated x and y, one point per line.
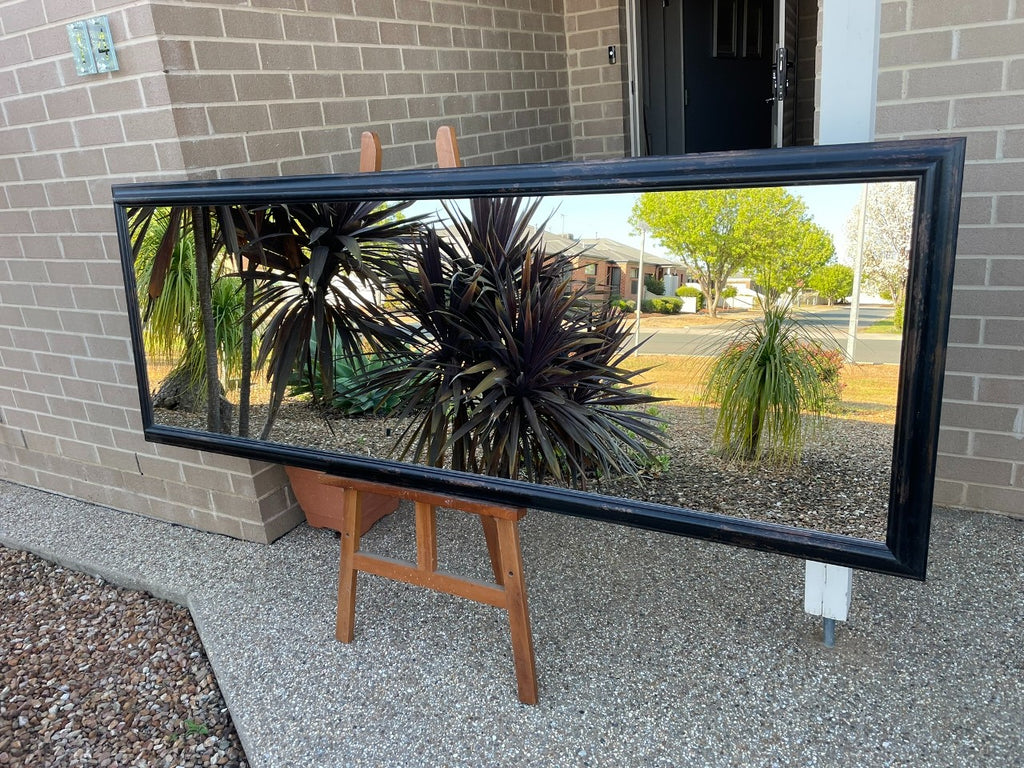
501	530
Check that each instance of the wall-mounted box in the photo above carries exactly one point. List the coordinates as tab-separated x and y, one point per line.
92	46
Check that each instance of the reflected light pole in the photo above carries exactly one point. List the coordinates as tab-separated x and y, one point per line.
858	267
639	289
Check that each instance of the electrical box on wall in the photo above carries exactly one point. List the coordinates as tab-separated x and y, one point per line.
92	46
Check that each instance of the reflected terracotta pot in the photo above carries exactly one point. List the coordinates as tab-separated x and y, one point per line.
324	505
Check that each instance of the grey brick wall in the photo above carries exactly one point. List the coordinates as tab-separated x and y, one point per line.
215	89
957	68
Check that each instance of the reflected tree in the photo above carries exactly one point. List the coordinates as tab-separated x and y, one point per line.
887	231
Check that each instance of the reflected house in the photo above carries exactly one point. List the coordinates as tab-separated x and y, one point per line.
612	269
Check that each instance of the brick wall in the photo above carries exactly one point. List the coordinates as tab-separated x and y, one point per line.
205	89
598	88
260	91
949	67
68	400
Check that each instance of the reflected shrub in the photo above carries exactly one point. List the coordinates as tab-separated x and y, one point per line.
772	383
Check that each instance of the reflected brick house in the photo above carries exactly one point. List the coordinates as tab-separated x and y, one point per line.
268	87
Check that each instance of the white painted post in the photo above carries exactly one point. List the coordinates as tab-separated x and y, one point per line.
828	590
849	76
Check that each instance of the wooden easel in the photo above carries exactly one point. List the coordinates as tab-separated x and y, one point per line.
501	530
500	523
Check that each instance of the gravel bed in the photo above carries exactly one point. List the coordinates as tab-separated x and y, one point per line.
841	484
101	676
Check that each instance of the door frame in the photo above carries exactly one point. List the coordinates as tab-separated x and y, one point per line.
636	84
635	74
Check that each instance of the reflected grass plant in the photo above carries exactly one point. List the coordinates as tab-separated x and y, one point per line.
770	389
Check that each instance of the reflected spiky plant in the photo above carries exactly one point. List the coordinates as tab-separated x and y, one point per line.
516	374
768	389
167	284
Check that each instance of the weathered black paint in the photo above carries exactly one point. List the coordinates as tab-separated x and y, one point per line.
936	165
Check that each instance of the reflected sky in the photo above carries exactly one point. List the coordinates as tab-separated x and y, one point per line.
599	215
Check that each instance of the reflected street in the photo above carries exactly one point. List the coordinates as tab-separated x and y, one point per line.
832	322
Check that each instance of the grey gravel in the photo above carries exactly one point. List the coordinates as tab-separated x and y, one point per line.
97	675
652	650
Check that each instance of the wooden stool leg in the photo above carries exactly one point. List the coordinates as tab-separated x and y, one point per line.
346	615
518	613
491	535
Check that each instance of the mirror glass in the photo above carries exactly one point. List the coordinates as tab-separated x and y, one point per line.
792	250
743	347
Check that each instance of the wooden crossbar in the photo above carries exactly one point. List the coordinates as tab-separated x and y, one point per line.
501	531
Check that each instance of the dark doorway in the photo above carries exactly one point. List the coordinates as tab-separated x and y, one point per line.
706	72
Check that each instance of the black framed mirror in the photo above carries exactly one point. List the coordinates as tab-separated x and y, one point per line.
388	252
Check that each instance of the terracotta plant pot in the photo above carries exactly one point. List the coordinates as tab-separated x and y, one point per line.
324	505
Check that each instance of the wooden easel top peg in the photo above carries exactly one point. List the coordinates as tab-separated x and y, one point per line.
445	143
369	152
447	147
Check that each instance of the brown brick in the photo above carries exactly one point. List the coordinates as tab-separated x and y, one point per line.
403	84
379	9
189	88
377	59
53	135
262	87
986	178
388	109
26	195
434	36
915	48
955	79
23	15
913	117
993	418
305	166
239	118
1009	272
998	446
974	470
1009	209
894	17
222	54
991	40
67	193
990	241
213	152
988	111
976	210
321	142
360	31
964	330
398	34
193	21
971	272
33	78
346	112
952	13
309	28
1007	500
296	115
363	84
1013	143
984	361
286	56
336	58
273	146
25	110
959	387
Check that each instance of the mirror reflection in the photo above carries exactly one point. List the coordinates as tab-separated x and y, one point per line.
732	350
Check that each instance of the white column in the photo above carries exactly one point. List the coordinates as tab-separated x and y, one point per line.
849	76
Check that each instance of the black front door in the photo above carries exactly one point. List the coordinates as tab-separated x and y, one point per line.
706	73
